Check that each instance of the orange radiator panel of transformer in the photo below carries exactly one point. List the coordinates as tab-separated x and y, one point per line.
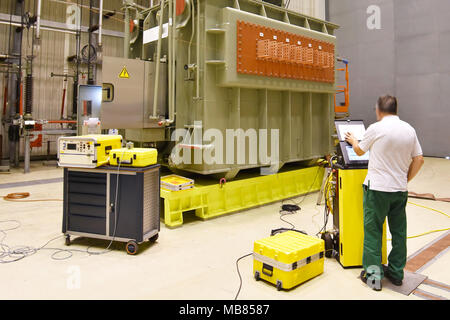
269	52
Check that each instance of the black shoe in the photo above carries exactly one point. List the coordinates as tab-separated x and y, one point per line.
387	274
375	285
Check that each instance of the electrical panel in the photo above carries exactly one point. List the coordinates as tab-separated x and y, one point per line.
265	51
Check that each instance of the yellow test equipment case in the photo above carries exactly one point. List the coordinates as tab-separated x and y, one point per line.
134	157
88	151
288	259
348	218
345	187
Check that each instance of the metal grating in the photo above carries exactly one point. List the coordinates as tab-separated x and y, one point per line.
151	201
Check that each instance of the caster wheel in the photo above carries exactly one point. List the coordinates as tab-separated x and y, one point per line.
329	244
67	241
154	238
132	247
279	285
257	277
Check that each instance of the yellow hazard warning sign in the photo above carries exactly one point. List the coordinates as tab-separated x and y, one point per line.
124	74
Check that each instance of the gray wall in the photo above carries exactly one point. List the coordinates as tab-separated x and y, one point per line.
408	57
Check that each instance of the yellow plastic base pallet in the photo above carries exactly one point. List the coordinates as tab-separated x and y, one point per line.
212	199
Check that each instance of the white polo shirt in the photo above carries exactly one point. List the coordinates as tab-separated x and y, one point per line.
392	144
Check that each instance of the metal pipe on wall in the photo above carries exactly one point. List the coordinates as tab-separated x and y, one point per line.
14	84
38	20
171	30
100	23
57	26
93	42
198	53
126	40
158	58
170	40
27	153
174	48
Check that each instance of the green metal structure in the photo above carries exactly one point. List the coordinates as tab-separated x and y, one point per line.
194	51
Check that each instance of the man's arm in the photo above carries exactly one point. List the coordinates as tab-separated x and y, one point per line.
350	138
414	167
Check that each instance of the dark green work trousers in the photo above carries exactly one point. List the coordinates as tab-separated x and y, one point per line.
377	206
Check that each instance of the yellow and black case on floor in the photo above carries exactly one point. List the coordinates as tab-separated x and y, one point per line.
134	157
288	259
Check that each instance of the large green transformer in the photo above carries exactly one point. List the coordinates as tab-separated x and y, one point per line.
225	64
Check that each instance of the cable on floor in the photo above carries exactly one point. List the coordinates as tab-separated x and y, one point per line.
307	193
13	254
289	209
116	210
425	207
10	254
286	210
18	196
425	233
431	231
239	273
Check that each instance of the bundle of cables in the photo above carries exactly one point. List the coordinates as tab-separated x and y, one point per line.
329	195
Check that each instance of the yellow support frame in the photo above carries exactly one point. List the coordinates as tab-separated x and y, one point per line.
211	200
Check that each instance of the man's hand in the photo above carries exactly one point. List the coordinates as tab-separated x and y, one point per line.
350	138
415	166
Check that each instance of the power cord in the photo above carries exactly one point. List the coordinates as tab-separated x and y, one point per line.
116	209
327	207
13	254
307	193
289	209
17	196
286	210
239	273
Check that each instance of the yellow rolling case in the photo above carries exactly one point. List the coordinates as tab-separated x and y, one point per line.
288	259
134	157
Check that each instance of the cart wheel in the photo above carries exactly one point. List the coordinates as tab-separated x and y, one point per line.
154	238
257	277
132	247
329	245
279	285
67	240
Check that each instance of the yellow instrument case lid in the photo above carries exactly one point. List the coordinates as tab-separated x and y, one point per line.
289	246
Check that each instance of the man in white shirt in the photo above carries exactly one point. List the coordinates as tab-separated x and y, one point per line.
395	158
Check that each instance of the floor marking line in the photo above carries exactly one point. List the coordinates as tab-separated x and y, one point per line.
30	183
429	253
428	245
437	284
427	295
433	260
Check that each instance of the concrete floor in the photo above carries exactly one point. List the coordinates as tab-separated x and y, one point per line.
196	261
